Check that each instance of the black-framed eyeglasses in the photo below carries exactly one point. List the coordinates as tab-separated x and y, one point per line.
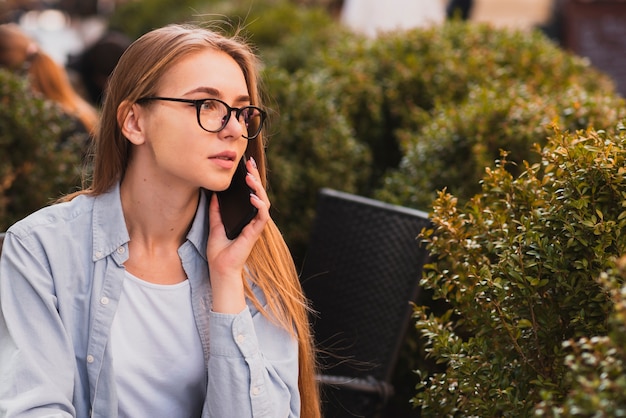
213	114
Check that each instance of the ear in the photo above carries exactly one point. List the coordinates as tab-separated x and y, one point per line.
129	118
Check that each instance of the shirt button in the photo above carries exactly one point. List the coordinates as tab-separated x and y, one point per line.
90	359
104	300
241	338
98	254
256	390
121	250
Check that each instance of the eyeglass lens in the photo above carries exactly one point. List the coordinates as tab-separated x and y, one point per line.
214	115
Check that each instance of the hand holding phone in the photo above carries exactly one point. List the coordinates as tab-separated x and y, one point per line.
235	207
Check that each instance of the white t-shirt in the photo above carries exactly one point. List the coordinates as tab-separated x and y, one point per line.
157	354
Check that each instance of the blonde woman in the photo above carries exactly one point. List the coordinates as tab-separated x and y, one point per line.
127	299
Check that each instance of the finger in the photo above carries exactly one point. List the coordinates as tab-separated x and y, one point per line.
257	188
254	182
261	205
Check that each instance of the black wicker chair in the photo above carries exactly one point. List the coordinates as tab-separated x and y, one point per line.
361	270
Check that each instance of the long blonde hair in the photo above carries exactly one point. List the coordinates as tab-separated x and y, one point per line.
19	52
137	75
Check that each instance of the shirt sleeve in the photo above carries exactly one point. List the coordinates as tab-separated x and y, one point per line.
253	368
36	356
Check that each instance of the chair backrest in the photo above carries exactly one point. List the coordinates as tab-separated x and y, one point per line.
361	271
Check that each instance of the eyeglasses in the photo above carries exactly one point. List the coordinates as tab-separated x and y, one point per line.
213	114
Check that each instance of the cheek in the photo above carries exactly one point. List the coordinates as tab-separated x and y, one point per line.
171	135
175	151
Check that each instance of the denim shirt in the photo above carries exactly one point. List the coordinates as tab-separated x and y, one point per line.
61	274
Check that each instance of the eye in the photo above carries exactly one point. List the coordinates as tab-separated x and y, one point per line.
210	105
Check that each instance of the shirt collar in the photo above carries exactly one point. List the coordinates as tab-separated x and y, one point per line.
199	232
109	226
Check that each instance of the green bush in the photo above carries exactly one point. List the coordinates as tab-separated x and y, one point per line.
517	265
41	156
394	87
597	365
467	91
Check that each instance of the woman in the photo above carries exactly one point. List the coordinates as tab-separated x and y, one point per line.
128	299
18	52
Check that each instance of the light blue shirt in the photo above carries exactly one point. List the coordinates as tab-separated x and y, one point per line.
61	275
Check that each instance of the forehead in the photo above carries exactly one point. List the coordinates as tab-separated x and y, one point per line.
208	68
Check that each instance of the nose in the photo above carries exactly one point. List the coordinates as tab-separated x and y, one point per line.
232	129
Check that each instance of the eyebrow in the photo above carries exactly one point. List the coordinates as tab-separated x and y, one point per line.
216	93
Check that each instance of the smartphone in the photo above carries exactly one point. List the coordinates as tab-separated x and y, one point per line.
235	206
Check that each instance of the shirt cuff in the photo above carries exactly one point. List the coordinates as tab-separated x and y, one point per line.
232	335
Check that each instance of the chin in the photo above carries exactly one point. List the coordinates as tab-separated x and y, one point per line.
218	186
216	182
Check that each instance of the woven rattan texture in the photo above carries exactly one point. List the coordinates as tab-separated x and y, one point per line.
362	269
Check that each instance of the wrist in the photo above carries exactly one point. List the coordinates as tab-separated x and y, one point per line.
228	294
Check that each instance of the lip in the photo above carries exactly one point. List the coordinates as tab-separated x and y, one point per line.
226	159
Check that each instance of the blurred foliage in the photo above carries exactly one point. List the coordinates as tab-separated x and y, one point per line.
267	23
458	142
517	265
464	92
41	153
134	18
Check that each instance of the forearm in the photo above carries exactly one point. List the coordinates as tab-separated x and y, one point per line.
27	389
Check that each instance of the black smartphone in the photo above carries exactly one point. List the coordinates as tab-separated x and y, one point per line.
235	206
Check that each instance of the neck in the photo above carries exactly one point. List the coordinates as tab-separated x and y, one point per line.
158	218
156	213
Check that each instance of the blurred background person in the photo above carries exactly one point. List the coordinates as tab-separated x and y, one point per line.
95	64
21	54
459	9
